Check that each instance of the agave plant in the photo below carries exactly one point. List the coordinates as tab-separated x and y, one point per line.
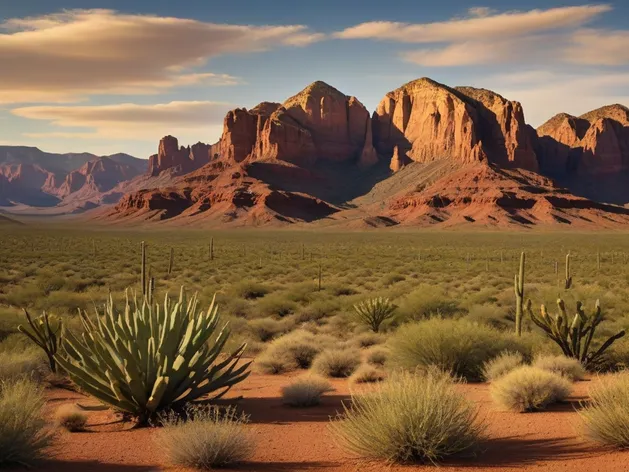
148	358
374	312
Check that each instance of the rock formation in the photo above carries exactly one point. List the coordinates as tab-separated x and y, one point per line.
594	143
179	160
398	161
319	123
430	121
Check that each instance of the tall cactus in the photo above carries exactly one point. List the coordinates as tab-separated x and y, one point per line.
147	358
46	332
574	338
568	281
519	296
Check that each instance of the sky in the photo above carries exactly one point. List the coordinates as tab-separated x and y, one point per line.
115	76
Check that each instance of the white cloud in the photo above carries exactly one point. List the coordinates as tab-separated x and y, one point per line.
68	56
129	121
599	47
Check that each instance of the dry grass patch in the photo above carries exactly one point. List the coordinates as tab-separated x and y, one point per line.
208	439
529	389
501	365
71	418
562	365
377	356
411	418
606	416
337	362
305	391
367	374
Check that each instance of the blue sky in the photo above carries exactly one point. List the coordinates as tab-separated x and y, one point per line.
114	76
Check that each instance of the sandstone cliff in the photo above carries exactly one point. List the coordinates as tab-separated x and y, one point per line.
319	123
427	121
179	160
594	143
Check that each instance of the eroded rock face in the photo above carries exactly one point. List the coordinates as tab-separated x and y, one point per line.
594	143
179	160
96	176
318	123
398	160
429	121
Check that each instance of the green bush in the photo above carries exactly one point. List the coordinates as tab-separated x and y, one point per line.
305	391
606	415
410	418
529	389
24	435
501	365
456	346
210	438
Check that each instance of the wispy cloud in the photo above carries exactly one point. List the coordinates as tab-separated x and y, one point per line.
129	121
486	36
77	53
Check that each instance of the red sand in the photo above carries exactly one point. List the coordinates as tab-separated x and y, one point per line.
298	439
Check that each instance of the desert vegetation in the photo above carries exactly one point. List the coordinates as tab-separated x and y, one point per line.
432	317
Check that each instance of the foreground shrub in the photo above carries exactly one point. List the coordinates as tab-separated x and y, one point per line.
606	416
148	358
305	391
456	346
337	362
209	438
70	417
566	366
529	389
367	374
24	435
411	418
502	365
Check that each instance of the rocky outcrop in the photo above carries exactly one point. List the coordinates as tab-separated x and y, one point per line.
594	143
319	123
430	121
398	160
179	160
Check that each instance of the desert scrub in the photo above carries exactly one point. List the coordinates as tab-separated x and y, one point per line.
367	374
501	365
265	329
411	418
377	356
606	415
456	346
427	301
250	290
24	435
368	339
292	351
529	389
209	438
566	366
305	391
71	418
26	364
374	312
336	362
275	305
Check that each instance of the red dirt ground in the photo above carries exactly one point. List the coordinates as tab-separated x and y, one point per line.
298	439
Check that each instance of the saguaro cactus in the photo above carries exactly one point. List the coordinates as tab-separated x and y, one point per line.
568	281
574	338
519	295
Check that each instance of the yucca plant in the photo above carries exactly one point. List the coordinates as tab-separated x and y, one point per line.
148	358
45	331
374	312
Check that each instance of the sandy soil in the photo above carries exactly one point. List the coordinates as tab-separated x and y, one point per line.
298	439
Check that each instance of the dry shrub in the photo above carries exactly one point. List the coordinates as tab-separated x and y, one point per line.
71	418
24	435
265	329
456	346
411	418
368	339
209	438
606	416
377	356
305	391
367	374
295	350
501	365
337	362
28	364
562	365
529	389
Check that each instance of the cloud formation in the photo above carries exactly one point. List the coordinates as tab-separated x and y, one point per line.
70	55
128	120
488	37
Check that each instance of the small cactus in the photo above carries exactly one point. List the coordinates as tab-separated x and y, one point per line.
519	295
568	281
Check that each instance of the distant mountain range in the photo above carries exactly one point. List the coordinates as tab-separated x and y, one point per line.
429	155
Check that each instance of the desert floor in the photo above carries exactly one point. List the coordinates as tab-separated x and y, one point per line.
299	440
